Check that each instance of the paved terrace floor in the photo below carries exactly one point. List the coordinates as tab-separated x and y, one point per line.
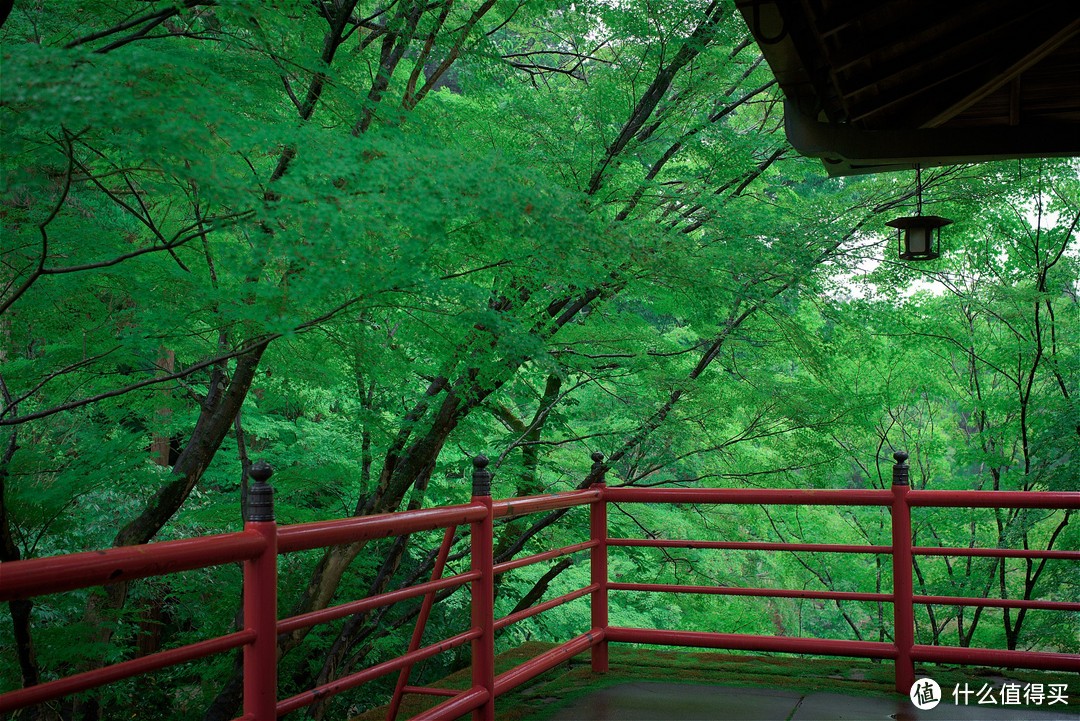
648	701
653	685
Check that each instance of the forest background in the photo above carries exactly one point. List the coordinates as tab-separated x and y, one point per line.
367	241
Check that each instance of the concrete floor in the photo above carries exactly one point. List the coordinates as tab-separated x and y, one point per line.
644	701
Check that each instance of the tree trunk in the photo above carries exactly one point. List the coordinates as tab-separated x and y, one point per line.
21	609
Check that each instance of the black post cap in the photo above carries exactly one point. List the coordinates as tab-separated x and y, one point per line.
260	500
598	470
900	470
481	476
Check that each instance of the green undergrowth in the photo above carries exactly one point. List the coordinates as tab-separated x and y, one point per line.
539	699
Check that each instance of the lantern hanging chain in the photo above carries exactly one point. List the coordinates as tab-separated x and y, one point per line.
918	190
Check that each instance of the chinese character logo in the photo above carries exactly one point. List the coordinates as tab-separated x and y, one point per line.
1010	694
925	694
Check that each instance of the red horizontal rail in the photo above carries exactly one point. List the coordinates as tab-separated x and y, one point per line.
841	548
763	496
545	606
761	592
546	661
117	672
305	536
995	499
458	706
288	625
855	497
52	574
432	691
545	556
747	642
994	552
748	545
513	507
355	679
997	657
997	602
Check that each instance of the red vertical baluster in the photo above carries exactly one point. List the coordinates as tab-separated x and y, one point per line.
260	601
903	605
483	592
598	563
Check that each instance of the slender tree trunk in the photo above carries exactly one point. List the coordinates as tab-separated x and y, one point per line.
160	442
21	609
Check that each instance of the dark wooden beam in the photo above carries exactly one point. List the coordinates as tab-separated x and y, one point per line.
849	150
1034	50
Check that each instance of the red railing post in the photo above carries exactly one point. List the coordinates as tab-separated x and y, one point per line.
903	603
260	601
483	592
598	563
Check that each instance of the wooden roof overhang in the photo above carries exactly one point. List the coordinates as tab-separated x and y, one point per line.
878	86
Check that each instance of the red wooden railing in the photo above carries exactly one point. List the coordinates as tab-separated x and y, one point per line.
262	540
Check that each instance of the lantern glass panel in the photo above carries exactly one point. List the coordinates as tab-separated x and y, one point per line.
918	240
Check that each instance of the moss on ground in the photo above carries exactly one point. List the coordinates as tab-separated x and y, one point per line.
541	698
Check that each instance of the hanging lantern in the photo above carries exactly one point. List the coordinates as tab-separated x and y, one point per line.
919	236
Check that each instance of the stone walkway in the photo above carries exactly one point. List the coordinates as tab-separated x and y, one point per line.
646	701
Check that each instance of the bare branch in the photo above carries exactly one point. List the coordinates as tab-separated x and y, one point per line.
68	142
